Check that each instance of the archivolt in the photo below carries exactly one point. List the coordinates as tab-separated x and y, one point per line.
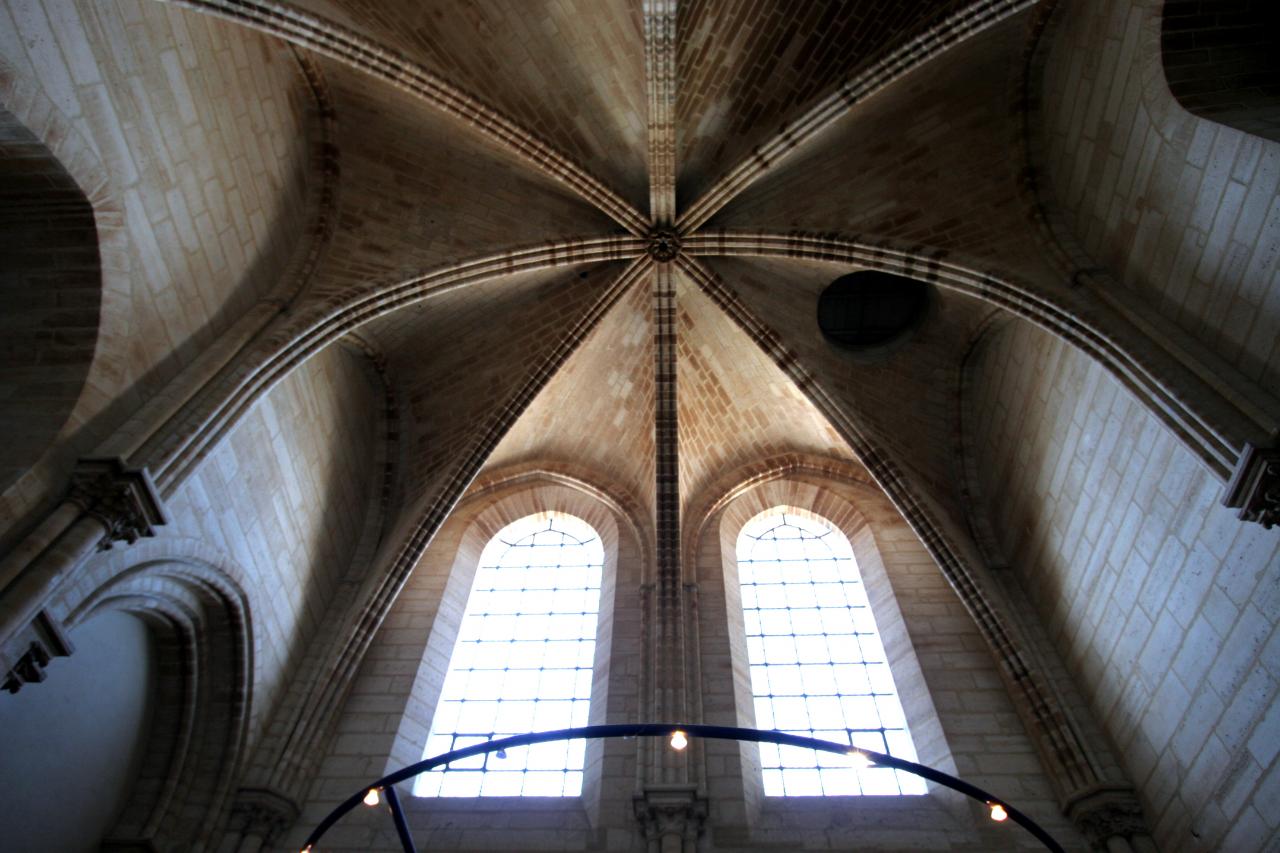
200	618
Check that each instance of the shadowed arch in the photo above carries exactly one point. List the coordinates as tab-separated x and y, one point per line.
50	296
200	620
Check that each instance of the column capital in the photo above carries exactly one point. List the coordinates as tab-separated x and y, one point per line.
262	813
1255	486
123	499
671	816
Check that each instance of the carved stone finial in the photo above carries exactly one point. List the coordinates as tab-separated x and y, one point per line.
33	648
1255	486
671	816
1105	812
664	245
123	499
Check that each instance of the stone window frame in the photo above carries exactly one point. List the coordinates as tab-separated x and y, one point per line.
425	623
833	499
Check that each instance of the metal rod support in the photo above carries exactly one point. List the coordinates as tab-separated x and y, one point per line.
662	730
397	814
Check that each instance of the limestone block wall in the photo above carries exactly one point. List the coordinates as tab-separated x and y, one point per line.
1182	209
1162	603
286	497
202	132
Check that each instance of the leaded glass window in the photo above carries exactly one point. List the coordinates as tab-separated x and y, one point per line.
818	667
522	663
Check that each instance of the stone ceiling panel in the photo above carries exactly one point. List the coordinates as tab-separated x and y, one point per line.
746	67
416	193
455	360
573	73
907	398
735	405
935	160
596	414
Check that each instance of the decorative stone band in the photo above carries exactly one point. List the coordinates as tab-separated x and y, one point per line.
123	499
660	74
1106	814
1254	488
671	816
32	649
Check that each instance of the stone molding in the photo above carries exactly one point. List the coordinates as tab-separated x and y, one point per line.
671	816
1254	488
32	650
124	500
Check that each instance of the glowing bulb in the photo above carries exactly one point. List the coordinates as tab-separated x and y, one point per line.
859	758
998	813
371	798
678	740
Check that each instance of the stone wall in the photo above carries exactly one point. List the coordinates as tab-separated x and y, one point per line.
1162	603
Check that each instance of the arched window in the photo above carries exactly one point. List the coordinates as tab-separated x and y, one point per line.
818	667
522	662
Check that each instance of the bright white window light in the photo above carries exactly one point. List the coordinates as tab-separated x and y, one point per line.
818	668
522	663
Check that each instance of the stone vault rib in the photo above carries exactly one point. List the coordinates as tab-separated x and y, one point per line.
177	449
364	612
1199	416
660	73
328	39
1072	768
853	91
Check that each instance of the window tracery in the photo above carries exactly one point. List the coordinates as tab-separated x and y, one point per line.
522	662
818	667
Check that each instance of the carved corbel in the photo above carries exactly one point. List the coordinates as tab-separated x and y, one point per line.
1110	817
124	500
671	817
29	653
259	817
1255	486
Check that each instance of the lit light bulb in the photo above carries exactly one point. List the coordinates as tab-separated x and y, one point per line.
859	758
678	740
998	813
371	798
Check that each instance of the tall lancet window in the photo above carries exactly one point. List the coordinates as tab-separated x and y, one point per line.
522	662
818	667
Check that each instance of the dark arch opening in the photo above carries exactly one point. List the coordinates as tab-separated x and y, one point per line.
865	310
50	296
1222	63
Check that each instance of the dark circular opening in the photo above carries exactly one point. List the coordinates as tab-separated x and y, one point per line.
869	309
